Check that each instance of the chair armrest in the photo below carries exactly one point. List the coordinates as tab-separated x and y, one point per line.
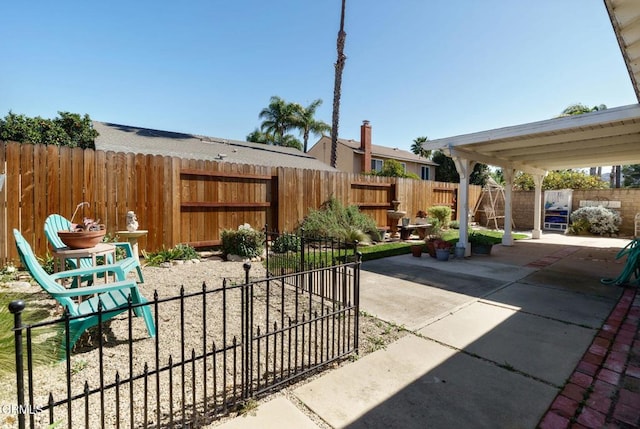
91	290
98	269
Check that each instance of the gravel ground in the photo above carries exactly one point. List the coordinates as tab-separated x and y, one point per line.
167	282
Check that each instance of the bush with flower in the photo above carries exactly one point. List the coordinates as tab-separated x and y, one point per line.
596	220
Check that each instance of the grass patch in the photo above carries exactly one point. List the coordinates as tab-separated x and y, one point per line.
290	261
44	340
454	235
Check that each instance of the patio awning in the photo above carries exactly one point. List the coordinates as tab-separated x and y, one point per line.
606	137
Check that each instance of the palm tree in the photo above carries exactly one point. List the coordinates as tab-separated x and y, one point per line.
306	123
258	136
416	147
279	117
290	141
336	88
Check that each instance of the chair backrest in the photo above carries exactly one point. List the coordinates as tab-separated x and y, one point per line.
30	261
52	225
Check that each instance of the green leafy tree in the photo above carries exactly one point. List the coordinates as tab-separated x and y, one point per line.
257	136
560	179
68	129
305	121
290	141
393	168
417	148
580	109
631	176
498	176
447	172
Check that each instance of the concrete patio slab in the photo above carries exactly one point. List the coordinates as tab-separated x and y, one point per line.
541	347
572	279
279	413
411	269
403	302
416	383
560	304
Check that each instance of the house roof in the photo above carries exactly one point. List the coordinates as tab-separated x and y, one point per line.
606	137
387	152
125	138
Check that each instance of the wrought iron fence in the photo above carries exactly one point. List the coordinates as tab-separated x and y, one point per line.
214	349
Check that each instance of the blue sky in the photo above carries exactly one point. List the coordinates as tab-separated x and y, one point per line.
414	67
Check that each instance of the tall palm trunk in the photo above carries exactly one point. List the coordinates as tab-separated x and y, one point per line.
336	89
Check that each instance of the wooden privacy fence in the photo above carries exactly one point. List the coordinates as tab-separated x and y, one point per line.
184	200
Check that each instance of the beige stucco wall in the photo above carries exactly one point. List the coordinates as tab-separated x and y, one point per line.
351	162
523	202
322	152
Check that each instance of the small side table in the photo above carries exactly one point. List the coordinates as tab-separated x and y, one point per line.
132	238
101	249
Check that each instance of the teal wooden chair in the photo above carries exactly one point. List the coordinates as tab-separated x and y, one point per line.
56	222
113	296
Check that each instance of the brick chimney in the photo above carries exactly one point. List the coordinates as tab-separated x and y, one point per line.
365	145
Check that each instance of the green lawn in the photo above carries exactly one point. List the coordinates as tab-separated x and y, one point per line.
377	251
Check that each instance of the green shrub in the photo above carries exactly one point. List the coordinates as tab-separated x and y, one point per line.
334	220
479	238
286	243
179	252
454	224
246	241
579	227
442	213
48	263
601	220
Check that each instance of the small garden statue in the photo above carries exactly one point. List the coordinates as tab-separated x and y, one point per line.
132	221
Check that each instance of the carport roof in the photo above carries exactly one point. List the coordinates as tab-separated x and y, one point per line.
607	137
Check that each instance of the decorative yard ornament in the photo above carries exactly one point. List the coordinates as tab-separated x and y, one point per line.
132	221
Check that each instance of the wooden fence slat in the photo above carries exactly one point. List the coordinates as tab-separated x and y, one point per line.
181	200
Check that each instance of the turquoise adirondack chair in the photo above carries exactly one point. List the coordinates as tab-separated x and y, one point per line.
113	296
56	222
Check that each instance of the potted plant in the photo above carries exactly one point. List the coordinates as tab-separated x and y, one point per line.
421	217
481	244
83	235
434	236
443	250
416	249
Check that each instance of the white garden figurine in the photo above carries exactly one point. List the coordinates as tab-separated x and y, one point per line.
132	221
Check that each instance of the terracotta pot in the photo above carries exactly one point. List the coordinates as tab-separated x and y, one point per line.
416	250
431	248
81	240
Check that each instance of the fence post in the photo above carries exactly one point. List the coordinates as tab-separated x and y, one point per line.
246	333
302	268
16	307
266	247
356	298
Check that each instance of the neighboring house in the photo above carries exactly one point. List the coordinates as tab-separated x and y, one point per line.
362	156
124	138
